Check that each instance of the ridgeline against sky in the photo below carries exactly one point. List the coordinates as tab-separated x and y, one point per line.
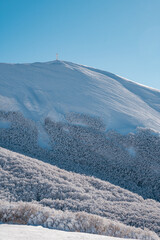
117	36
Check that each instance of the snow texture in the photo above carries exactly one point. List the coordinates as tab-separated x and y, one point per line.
54	89
27	179
19	232
4	124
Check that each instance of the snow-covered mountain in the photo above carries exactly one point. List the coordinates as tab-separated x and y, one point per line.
83	121
58	88
63	113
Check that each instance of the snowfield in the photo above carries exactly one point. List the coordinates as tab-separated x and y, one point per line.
20	232
55	89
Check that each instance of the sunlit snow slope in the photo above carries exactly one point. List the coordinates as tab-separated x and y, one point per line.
19	232
54	89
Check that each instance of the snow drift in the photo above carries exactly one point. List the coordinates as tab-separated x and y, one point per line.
19	232
54	89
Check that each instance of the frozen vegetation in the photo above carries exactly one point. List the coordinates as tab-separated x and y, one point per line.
84	121
27	179
130	161
35	214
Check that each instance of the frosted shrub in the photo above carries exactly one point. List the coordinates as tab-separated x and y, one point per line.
35	214
16	213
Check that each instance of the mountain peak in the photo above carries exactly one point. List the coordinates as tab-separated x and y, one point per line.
56	88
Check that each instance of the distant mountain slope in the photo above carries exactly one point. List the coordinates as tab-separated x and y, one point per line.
27	179
55	89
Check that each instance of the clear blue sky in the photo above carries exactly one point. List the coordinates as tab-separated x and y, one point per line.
120	36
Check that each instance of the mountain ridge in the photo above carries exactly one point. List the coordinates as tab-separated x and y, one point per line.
100	131
56	88
83	121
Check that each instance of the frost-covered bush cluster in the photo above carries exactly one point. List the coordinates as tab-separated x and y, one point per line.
130	161
27	179
35	214
21	135
81	145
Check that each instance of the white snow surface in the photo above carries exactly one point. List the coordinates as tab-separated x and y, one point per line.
5	124
19	232
54	89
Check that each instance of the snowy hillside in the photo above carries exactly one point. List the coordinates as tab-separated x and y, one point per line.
102	134
65	114
19	232
56	89
26	179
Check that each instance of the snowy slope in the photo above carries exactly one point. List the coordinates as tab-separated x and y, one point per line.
71	107
58	88
27	179
19	232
